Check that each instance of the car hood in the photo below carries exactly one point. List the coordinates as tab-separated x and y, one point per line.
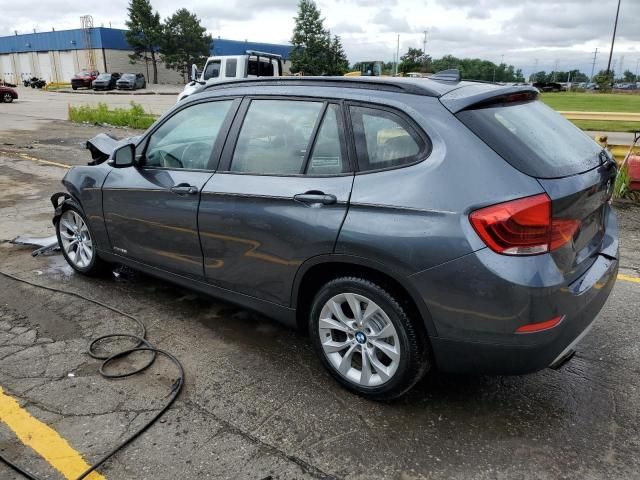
102	146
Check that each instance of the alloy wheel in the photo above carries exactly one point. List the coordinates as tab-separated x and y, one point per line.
76	239
359	339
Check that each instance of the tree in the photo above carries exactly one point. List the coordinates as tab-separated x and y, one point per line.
604	80
185	41
629	77
413	61
314	51
338	63
144	33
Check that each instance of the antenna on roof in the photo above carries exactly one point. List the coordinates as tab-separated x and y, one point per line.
451	75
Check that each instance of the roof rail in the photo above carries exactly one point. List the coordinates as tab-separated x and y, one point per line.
451	75
370	83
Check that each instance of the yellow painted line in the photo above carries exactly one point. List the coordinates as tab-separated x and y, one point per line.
43	439
628	278
24	156
44	162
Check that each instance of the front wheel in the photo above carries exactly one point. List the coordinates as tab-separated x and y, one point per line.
366	338
7	97
77	242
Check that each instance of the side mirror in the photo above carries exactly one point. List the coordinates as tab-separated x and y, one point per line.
194	72
123	157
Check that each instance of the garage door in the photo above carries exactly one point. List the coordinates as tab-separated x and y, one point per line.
7	68
67	67
44	61
24	65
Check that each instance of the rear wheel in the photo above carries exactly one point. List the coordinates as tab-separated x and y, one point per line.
77	242
7	97
366	339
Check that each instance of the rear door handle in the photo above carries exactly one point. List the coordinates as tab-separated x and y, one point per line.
184	189
315	197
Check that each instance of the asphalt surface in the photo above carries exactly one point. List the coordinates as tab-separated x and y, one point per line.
257	402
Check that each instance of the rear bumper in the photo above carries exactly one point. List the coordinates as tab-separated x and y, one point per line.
537	350
477	302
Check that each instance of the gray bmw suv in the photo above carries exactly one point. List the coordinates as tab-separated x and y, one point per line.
406	224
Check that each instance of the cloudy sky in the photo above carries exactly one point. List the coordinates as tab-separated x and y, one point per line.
528	33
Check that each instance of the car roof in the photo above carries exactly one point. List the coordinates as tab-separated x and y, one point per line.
456	94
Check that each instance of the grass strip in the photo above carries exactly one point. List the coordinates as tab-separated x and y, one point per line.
132	117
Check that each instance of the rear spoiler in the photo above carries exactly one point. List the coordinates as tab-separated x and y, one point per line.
476	95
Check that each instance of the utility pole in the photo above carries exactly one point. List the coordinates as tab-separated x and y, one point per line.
637	68
424	43
397	54
535	70
555	70
613	39
593	65
621	69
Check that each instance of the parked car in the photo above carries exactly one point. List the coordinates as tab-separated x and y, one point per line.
131	81
549	86
105	81
84	79
406	224
7	94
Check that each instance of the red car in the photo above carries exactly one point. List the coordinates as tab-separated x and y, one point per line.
7	95
84	79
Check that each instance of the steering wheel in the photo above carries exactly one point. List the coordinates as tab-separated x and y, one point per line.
166	159
197	154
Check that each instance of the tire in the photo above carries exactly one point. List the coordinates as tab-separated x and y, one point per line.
389	328
76	240
7	97
73	87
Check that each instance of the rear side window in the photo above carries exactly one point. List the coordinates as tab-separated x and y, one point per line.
274	137
384	139
230	68
327	156
263	68
534	139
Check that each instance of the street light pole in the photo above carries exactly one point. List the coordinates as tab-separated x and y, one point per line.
397	54
613	39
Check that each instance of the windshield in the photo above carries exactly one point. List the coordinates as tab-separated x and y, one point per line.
128	76
534	138
104	76
83	74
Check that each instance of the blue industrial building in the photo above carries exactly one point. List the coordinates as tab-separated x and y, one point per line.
57	55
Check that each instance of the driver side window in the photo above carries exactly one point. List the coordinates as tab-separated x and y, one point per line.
186	139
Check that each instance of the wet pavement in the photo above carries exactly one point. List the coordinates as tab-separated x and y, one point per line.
257	402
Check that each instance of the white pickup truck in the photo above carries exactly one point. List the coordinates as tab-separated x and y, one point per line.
218	69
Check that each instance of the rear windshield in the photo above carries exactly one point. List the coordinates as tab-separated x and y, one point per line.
534	138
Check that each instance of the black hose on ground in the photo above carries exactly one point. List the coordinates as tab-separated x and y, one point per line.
142	345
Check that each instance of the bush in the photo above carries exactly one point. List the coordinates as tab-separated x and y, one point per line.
133	117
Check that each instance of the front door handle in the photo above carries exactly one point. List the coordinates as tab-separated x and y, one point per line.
184	189
315	197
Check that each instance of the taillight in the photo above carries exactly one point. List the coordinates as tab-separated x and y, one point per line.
523	226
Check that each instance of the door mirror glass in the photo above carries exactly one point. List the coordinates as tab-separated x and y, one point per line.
124	156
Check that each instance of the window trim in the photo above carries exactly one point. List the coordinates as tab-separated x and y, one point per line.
234	134
408	123
216	151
